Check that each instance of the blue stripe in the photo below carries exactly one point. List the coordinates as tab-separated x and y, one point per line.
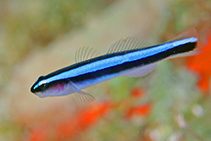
117	60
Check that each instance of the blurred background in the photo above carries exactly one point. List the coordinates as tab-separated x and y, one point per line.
37	37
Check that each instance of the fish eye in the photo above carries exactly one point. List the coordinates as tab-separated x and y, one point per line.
43	85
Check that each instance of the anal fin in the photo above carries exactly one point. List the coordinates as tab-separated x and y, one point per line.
140	71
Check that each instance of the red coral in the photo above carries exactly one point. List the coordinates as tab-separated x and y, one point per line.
201	65
137	92
140	110
37	134
69	126
83	120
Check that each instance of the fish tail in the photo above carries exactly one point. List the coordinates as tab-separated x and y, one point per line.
190	33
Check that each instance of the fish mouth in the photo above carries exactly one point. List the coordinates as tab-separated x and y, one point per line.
33	91
33	88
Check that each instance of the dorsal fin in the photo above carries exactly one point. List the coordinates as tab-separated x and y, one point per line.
85	53
129	43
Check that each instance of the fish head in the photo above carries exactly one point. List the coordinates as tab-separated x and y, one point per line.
43	88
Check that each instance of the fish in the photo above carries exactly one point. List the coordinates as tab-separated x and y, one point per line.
127	57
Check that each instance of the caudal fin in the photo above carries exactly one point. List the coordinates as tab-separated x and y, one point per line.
191	35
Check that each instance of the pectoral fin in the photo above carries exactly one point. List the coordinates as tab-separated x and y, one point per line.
83	97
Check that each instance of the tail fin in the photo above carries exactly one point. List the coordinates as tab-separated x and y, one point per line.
190	32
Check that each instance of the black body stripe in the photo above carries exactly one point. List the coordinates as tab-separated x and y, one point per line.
115	69
138	63
93	60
